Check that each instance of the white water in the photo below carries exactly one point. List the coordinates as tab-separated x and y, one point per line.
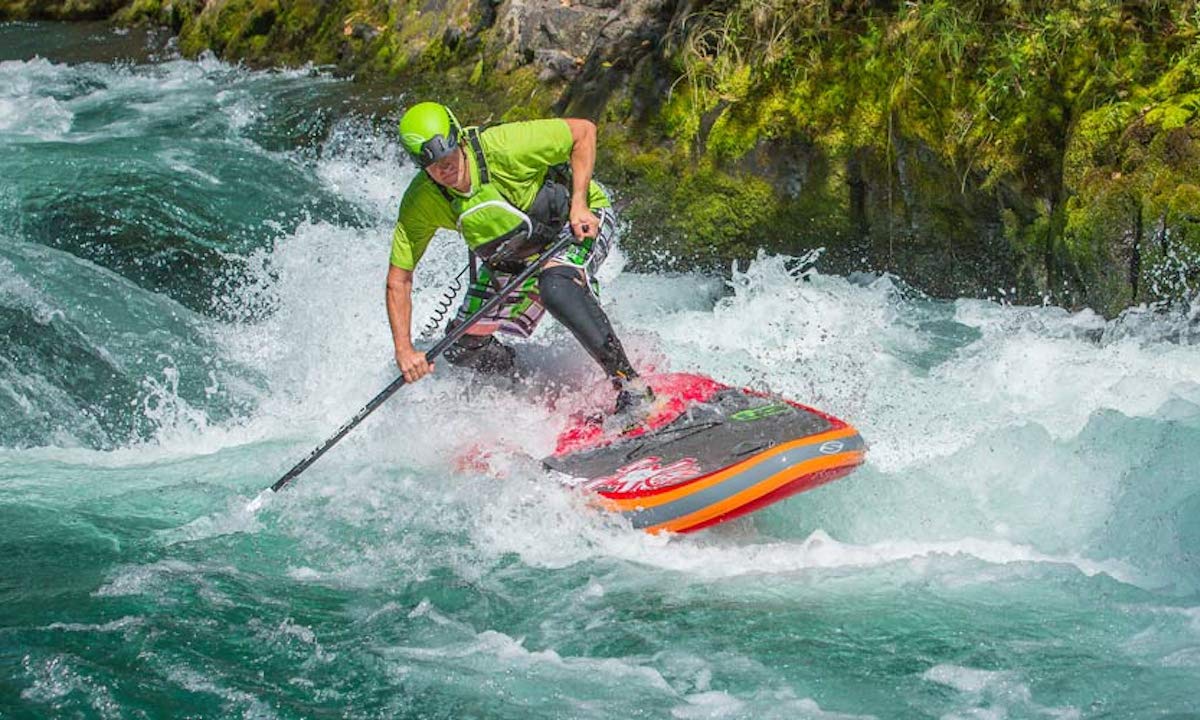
1025	463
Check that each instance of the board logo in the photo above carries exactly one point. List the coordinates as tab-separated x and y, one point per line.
832	447
758	413
647	474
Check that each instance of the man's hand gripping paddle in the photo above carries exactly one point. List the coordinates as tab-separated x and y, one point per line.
451	337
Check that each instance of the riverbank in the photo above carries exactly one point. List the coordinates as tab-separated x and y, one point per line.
1036	151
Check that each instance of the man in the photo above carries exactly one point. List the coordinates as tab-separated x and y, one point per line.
510	190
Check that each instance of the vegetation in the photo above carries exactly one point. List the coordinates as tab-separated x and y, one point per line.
1042	147
1071	122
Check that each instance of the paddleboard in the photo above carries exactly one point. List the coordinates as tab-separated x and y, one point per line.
705	453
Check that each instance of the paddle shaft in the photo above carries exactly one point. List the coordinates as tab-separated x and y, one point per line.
451	337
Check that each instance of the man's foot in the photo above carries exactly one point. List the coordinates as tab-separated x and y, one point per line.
482	353
634	399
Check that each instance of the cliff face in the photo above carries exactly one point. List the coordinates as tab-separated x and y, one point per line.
1035	148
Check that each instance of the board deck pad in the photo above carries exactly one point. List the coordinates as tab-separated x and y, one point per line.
706	453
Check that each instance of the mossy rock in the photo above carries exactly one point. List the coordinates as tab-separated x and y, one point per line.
966	146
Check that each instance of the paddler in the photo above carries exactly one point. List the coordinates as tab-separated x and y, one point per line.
510	190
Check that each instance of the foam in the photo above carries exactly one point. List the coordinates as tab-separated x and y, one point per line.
287	634
848	347
57	678
237	518
783	705
558	530
119	625
127	580
251	706
495	647
1036	367
1169	635
27	109
366	168
993	694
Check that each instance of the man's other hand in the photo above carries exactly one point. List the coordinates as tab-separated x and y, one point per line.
413	365
584	222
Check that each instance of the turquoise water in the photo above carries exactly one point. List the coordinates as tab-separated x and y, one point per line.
191	280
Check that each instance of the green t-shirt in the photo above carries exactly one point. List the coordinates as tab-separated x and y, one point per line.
518	155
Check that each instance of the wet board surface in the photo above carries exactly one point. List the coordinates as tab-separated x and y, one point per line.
706	453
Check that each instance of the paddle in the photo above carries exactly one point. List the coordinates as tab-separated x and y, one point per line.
387	392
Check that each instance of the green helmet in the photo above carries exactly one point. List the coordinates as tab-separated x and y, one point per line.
429	132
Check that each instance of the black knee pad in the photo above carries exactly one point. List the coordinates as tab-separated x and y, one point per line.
563	289
482	353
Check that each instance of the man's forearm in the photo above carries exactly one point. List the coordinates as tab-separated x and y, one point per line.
583	161
413	365
399	310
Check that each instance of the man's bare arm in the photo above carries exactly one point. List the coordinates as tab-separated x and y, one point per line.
583	159
412	363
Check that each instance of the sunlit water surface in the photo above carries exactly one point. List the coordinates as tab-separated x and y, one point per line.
192	258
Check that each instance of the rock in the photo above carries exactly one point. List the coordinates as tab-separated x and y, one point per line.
626	59
557	65
361	31
59	9
546	33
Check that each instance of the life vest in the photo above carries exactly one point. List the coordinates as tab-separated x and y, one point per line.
501	234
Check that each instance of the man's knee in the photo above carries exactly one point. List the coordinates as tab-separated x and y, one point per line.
562	287
566	295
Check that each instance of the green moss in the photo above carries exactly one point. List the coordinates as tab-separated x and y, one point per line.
1022	101
1176	112
711	206
1064	129
1094	140
1185	203
517	96
141	12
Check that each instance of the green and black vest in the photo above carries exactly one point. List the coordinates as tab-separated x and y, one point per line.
499	233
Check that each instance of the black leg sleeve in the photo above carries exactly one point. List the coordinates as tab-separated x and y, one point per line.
572	303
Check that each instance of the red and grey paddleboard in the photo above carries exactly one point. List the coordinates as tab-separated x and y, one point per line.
707	453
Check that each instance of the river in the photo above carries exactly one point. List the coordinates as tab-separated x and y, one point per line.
192	257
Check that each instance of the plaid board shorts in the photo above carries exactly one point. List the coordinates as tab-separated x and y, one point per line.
520	313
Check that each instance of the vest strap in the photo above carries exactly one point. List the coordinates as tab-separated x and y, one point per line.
477	148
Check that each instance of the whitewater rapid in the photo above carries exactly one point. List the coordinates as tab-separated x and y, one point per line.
191	295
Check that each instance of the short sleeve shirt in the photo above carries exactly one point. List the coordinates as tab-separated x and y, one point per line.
518	156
